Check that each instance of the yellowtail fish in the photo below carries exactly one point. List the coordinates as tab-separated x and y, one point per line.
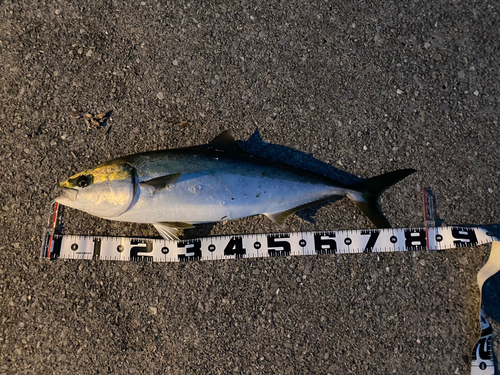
174	189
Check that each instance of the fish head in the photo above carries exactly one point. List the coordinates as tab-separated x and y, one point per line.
107	190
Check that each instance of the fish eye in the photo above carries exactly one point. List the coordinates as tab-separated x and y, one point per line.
82	181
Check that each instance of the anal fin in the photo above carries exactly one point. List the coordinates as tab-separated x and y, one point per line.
279	218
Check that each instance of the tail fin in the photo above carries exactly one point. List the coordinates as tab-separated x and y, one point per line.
370	189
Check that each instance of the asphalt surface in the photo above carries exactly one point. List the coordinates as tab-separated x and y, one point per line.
343	88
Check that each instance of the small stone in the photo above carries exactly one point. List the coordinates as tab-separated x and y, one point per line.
175	62
89	53
57	11
160	95
476	93
461	75
399	92
463	261
427	45
153	310
365	148
490	190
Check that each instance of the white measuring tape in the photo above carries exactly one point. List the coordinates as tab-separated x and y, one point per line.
262	245
57	246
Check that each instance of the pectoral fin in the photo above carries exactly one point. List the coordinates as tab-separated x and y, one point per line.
161	182
169	229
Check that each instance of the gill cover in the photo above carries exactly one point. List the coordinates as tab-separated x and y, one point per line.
107	191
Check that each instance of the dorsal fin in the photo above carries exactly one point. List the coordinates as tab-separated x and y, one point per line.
226	142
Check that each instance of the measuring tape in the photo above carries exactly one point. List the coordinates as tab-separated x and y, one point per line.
262	245
57	246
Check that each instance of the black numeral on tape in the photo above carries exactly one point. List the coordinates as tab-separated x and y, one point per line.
97	248
137	252
235	247
324	243
415	239
56	250
464	237
276	246
371	241
192	247
483	349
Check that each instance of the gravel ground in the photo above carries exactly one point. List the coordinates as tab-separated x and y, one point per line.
343	88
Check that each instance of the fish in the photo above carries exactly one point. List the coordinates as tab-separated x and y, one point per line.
178	188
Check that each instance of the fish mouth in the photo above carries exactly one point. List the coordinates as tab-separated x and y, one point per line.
67	194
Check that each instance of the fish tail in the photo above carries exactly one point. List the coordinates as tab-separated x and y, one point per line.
366	193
